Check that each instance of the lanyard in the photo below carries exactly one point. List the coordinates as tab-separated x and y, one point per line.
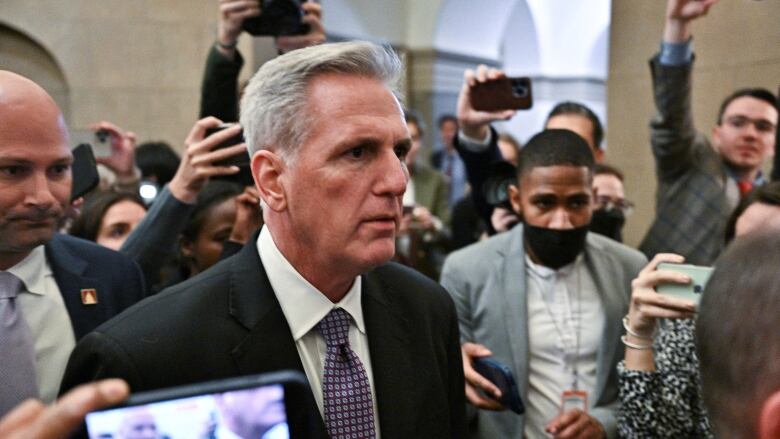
572	360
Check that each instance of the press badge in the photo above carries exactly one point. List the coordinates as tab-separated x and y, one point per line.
574	399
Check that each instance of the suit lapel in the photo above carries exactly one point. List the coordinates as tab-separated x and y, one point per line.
269	344
614	303
515	298
388	341
69	272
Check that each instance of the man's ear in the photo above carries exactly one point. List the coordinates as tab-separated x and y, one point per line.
769	420
716	137
514	199
267	170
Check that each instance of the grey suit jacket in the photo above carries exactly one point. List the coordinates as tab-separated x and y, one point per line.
695	193
488	283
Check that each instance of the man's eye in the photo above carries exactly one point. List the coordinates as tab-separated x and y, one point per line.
738	122
401	151
357	152
12	171
59	170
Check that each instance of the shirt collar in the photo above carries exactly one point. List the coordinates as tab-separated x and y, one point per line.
33	270
303	304
547	273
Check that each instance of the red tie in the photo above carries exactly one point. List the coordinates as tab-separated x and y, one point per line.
745	186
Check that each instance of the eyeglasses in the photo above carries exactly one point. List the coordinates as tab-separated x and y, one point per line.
762	125
605	202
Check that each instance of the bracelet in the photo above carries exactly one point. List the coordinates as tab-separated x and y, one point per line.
634	334
641	347
227	46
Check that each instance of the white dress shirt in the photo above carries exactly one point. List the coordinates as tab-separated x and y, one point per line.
304	306
556	313
45	313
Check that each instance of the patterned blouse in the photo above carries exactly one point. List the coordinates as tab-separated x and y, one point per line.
665	403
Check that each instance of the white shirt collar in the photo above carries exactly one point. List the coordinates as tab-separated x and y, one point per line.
33	271
303	304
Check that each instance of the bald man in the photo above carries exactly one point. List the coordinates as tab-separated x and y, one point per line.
53	288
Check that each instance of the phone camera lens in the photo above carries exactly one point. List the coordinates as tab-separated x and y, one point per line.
519	89
697	289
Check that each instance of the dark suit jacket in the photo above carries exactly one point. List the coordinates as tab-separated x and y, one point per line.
78	264
227	322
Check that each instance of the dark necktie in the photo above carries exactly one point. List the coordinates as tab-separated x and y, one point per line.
346	392
17	367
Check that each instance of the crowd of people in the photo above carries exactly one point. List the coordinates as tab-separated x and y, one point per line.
331	241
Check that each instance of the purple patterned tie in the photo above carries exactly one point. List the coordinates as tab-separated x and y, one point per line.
17	367
346	392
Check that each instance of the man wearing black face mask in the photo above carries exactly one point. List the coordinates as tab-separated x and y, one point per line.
610	207
546	299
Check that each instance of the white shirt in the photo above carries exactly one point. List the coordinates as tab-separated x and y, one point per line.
555	312
304	306
45	313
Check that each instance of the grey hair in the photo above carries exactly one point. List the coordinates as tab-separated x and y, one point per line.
274	107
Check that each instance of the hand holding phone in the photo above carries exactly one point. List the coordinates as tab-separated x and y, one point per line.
501	375
473	122
691	291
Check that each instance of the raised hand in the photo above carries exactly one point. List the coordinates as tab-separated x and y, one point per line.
475	123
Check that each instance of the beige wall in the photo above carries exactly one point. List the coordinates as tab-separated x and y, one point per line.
137	63
737	45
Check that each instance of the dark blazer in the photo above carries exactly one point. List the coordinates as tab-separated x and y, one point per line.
78	264
696	195
227	322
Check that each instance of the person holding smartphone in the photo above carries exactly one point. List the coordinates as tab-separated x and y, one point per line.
219	89
660	374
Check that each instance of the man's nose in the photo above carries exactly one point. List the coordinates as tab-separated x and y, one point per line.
561	220
394	176
39	193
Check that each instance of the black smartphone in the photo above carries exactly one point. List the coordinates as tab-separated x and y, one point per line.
244	175
84	171
277	18
501	375
268	405
502	94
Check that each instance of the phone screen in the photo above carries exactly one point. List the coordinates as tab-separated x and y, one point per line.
251	412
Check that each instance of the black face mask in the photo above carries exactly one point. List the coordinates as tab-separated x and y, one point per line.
608	223
555	248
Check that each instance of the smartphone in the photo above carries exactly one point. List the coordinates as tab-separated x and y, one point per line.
277	18
502	94
699	276
84	171
244	175
273	405
501	375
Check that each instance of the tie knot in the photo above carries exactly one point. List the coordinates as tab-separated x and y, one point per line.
334	327
10	285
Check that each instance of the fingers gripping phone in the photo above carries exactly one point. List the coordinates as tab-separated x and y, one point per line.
502	94
501	375
691	291
268	405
